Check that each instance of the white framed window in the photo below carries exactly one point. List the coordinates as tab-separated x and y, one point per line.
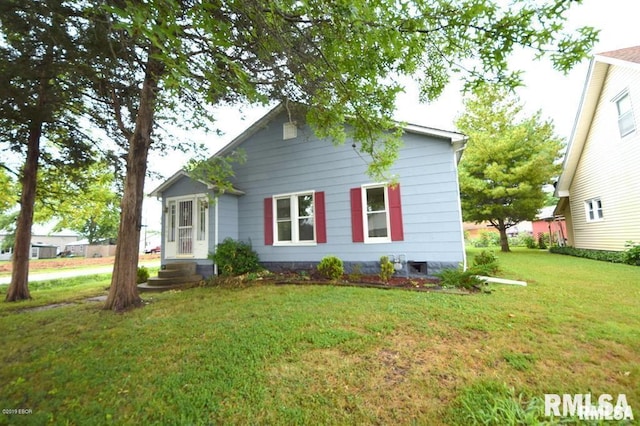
593	210
375	200
626	119
294	219
171	221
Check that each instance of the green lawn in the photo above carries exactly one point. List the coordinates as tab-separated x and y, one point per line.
327	355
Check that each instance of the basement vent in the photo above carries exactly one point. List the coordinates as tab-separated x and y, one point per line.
417	268
289	131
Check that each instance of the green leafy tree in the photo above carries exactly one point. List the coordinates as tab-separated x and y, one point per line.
41	100
8	197
342	58
89	206
508	160
8	202
550	200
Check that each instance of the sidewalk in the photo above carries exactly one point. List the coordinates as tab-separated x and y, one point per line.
75	272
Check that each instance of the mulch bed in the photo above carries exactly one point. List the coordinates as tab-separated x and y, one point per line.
367	281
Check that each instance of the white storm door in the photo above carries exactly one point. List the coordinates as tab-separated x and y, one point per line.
185	228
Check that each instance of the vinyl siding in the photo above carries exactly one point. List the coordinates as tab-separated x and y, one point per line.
228	217
427	174
608	169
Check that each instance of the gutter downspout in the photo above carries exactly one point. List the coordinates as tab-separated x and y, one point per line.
457	156
215	232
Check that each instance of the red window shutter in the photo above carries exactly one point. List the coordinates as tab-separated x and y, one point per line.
268	221
321	221
357	228
395	213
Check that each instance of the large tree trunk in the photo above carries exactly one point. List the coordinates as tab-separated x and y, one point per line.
19	287
123	293
504	239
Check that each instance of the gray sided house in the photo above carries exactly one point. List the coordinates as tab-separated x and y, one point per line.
298	198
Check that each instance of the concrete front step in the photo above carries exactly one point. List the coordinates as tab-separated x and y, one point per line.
158	281
176	275
189	268
145	287
170	273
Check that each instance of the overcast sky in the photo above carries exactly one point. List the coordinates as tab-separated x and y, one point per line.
555	94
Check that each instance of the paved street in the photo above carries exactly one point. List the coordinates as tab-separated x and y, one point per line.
36	276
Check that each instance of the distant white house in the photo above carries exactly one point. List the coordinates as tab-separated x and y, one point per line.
44	242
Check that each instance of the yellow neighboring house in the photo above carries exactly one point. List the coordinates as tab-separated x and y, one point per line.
599	188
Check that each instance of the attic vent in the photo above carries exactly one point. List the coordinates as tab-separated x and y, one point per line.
289	131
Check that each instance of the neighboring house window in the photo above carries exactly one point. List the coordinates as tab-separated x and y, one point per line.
626	120
295	219
376	214
593	208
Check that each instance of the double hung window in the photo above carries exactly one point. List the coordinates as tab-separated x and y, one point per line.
626	120
376	219
376	214
593	209
294	218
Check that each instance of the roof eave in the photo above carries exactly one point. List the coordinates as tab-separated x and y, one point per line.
616	61
453	137
167	183
182	173
591	93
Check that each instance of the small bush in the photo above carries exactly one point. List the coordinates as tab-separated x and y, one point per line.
543	239
632	254
521	240
485	263
235	258
386	269
331	267
143	275
487	239
602	255
529	242
459	279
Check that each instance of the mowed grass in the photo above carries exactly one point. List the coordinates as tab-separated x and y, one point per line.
289	354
